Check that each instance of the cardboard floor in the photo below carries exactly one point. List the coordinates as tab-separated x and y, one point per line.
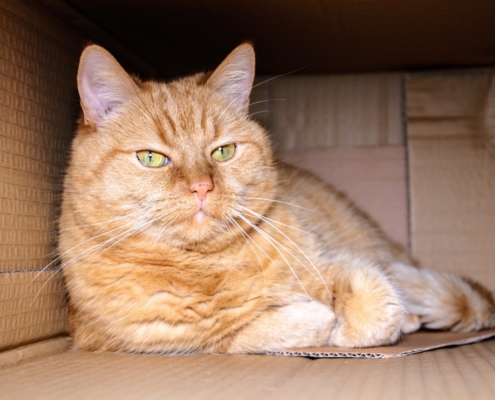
461	372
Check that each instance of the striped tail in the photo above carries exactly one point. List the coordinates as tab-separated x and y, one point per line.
440	300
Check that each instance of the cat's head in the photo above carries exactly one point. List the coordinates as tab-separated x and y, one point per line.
171	162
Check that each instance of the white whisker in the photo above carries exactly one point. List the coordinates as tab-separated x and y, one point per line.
270	240
292	242
264	101
249	239
258	112
281	223
89	240
95	248
165	226
282	202
278	76
101	223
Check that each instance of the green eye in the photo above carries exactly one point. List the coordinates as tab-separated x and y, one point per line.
224	153
152	158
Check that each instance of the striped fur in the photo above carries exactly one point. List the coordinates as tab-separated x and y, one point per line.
245	255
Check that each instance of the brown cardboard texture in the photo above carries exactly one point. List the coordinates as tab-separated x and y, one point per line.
452	173
458	373
316	37
38	106
375	178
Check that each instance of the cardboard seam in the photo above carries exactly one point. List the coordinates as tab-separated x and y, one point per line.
407	166
23	271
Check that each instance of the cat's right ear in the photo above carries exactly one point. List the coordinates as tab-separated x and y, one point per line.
103	84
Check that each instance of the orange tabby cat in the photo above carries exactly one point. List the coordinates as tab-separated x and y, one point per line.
179	233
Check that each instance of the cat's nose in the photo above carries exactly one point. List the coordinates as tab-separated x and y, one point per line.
201	188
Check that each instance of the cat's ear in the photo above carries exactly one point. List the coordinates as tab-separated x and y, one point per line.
103	84
233	79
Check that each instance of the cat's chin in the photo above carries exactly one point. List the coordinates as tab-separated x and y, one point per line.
200	229
201	221
199	217
205	233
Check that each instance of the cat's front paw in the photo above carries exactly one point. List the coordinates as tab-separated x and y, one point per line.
307	324
299	324
369	313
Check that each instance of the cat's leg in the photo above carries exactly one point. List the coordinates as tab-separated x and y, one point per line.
368	305
300	324
440	300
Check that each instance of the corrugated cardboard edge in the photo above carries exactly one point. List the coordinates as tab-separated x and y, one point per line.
408	344
34	351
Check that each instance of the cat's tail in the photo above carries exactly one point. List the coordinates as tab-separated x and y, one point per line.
440	300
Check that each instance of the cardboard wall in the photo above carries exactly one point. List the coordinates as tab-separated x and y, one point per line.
437	198
452	173
374	177
347	129
311	111
38	106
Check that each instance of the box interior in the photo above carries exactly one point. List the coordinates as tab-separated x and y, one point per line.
401	119
309	36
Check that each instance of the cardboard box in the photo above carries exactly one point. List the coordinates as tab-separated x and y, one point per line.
416	151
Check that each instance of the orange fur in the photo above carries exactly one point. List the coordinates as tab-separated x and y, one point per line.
243	255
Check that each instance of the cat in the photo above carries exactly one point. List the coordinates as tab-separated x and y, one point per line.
181	233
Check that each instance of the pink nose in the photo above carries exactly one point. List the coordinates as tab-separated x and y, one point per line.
201	189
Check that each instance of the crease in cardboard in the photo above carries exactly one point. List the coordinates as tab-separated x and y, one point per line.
451	170
34	351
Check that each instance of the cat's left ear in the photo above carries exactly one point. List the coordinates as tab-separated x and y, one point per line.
233	79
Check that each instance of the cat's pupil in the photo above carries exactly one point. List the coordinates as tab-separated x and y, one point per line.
150	156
